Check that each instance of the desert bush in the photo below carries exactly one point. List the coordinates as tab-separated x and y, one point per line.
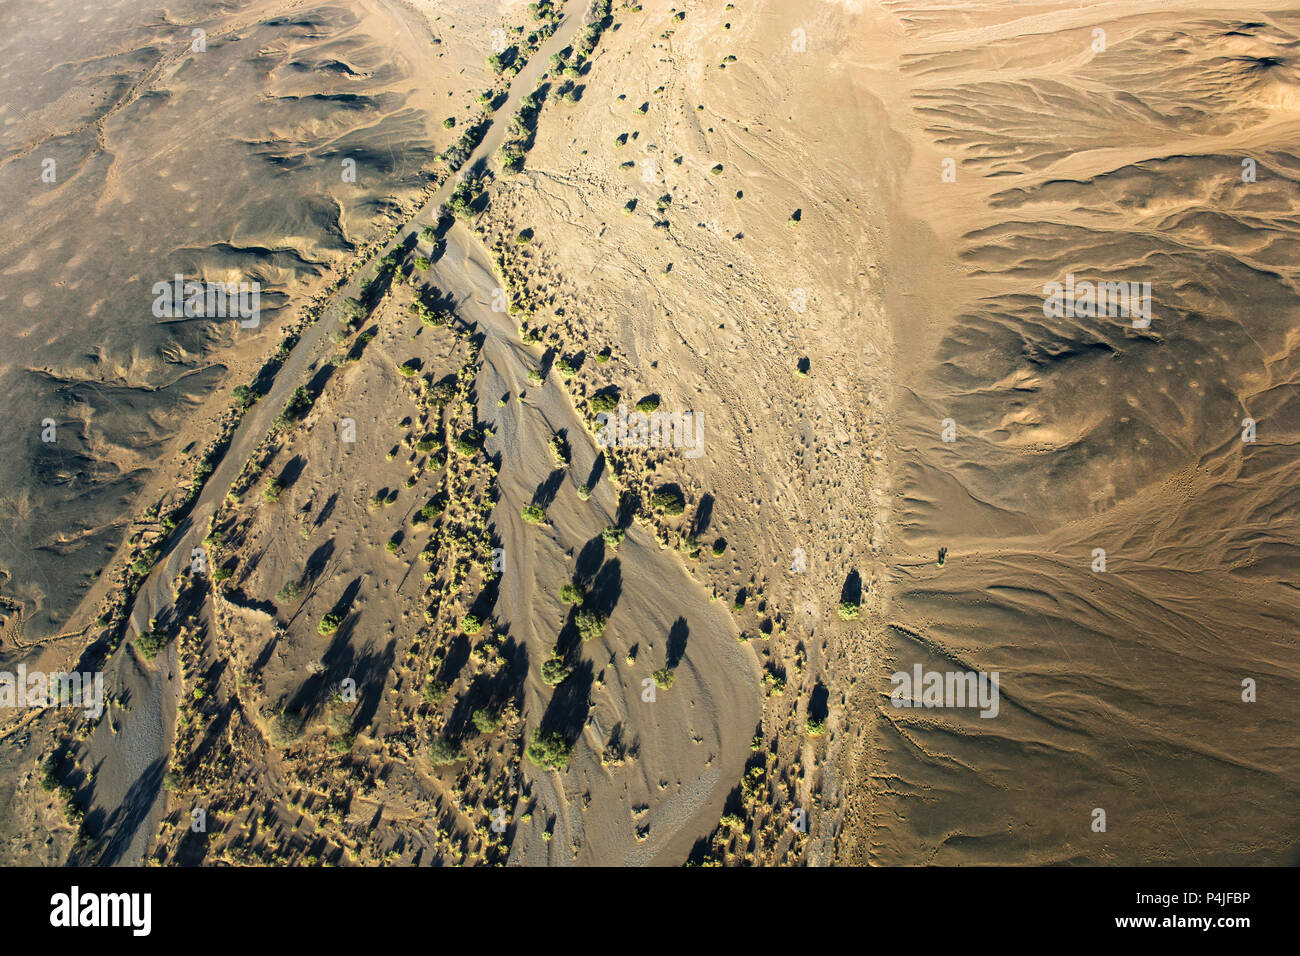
664	678
286	727
590	623
533	514
549	751
613	536
351	311
443	752
329	624
434	691
555	670
669	500
149	643
560	450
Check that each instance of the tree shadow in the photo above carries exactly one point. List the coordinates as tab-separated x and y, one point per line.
327	509
569	705
589	559
121	825
678	635
318	561
852	590
819	702
597	469
703	515
546	491
606	588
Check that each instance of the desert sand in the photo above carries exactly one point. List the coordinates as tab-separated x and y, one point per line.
826	230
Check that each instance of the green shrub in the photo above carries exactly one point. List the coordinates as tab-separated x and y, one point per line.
466	445
590	623
613	536
470	624
549	751
669	500
434	691
555	670
329	624
443	752
487	721
572	593
286	727
849	610
351	311
533	514
149	643
664	678
604	401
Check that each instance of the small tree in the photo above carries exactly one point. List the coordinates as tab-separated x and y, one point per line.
443	752
590	623
550	751
487	721
669	500
286	727
554	669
